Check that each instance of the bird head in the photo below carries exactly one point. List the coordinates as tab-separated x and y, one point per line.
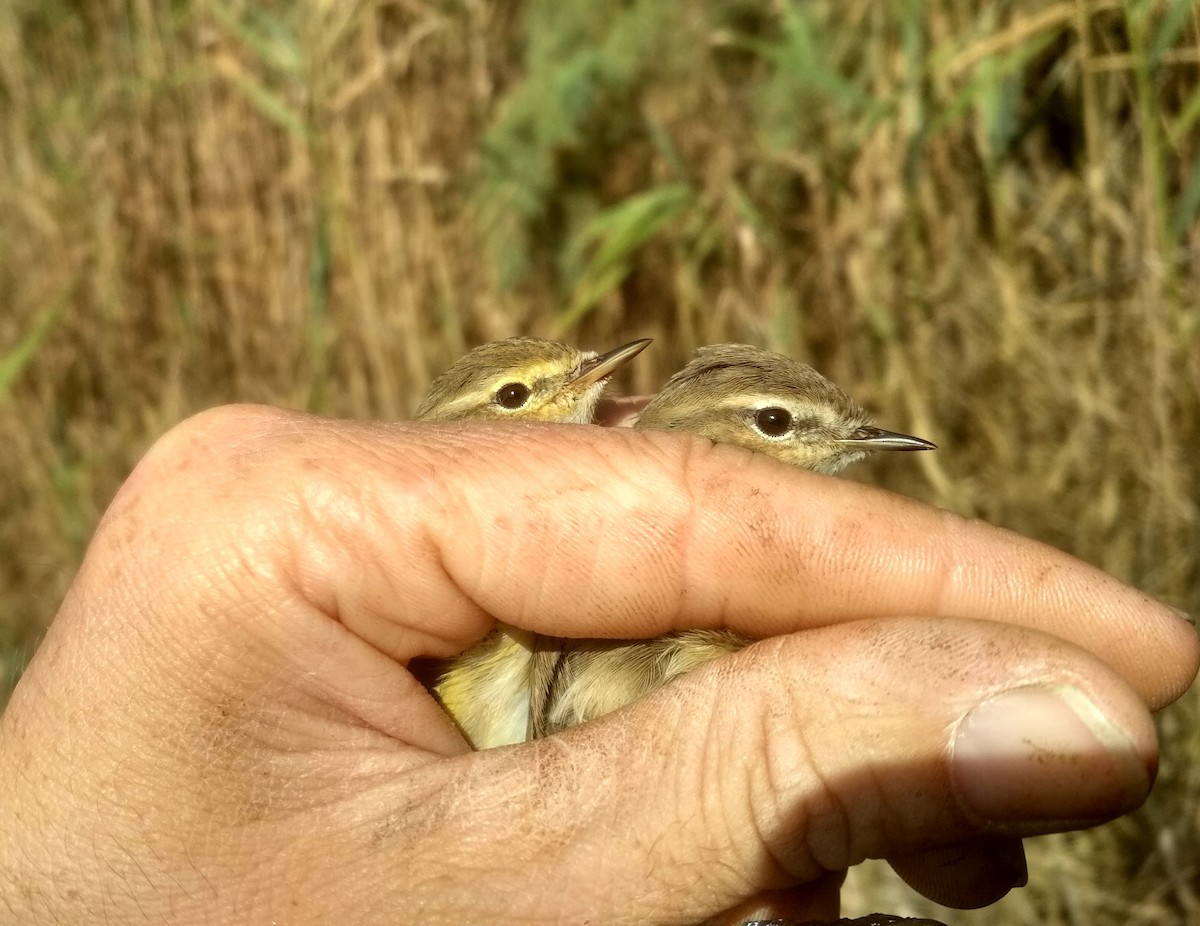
737	394
528	379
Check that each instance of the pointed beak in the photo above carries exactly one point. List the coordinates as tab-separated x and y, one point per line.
868	438
597	368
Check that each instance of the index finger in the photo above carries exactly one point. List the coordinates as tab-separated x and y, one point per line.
417	537
624	535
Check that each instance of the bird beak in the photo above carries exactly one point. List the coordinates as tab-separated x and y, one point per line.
597	368
868	438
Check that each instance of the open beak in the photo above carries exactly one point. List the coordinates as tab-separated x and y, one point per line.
868	438
604	365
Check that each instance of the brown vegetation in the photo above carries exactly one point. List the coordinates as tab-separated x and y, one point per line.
980	218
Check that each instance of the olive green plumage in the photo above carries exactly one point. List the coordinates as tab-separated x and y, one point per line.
470	388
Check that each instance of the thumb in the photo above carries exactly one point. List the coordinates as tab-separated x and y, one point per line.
799	757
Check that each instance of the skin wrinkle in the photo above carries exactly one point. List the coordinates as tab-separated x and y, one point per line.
234	683
782	872
844	529
694	876
660	592
622	526
840	530
466	560
422	820
332	510
124	699
807	864
581	572
671	583
706	778
328	507
562	761
806	555
960	570
726	754
677	535
691	608
248	730
837	809
427	492
449	643
569	759
756	515
779	781
432	538
124	532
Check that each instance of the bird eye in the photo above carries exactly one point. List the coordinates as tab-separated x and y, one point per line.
773	421
512	395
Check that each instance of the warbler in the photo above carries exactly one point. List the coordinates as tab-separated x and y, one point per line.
486	689
730	393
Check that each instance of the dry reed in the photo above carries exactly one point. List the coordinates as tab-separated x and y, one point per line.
979	217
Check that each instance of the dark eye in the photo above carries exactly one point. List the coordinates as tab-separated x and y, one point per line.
512	395
773	421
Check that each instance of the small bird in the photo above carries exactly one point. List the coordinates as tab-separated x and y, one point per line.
486	689
525	379
734	394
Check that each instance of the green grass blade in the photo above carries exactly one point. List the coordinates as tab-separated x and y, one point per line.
613	237
14	362
273	41
1188	116
1188	204
1168	31
270	104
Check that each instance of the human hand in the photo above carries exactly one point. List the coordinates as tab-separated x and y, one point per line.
220	725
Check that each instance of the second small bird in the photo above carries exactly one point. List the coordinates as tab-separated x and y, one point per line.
730	393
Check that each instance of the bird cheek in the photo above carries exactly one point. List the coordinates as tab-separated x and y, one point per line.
548	411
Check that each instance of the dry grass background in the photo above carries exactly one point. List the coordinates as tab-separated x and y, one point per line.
980	217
